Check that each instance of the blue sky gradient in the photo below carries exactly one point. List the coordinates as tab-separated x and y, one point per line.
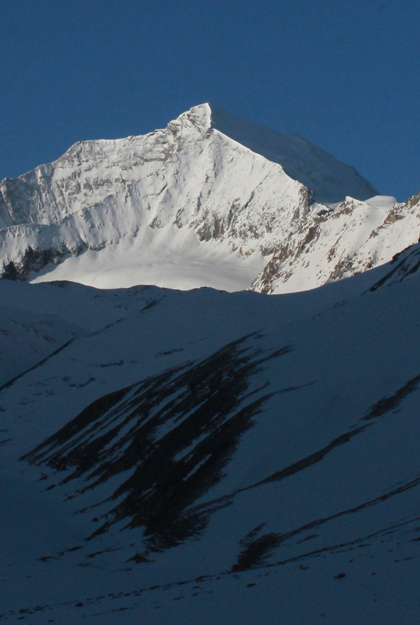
345	74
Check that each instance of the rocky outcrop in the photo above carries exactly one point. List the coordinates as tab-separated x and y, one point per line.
339	242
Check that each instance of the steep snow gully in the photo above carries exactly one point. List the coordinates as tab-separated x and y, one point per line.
197	455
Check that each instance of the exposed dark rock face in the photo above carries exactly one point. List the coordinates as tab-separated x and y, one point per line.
175	433
255	549
32	260
408	265
35	259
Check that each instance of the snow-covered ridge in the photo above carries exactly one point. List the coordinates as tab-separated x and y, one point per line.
337	243
329	179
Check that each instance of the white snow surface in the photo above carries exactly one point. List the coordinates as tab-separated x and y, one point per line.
353	238
166	257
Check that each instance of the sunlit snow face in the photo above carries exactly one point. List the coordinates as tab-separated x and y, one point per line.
205	202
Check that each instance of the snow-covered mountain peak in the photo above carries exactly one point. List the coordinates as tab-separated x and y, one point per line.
210	200
197	119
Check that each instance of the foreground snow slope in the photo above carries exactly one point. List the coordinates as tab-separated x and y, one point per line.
212	457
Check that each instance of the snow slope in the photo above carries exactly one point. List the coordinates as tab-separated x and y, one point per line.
213	457
329	179
26	338
166	257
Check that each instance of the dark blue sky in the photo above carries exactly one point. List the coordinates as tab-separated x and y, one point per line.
345	74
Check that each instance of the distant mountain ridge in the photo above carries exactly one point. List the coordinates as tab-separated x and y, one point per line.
211	200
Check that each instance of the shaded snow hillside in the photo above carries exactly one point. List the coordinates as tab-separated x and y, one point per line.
211	457
208	201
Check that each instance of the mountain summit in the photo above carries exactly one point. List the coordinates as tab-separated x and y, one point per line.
329	179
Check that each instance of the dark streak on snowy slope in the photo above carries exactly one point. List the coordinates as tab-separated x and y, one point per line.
146	427
385	405
38	364
202	406
408	265
256	551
